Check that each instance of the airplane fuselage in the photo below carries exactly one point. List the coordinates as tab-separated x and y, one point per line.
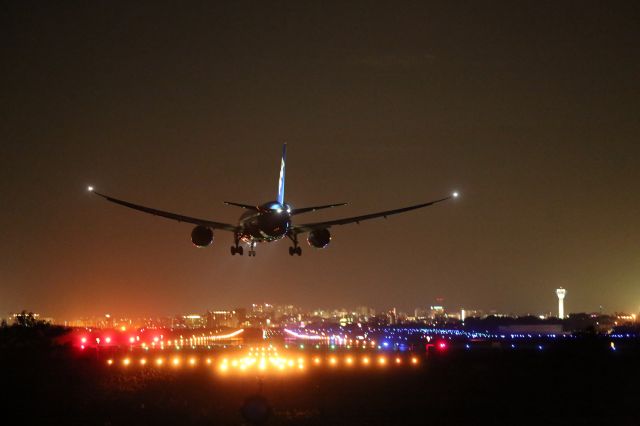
271	221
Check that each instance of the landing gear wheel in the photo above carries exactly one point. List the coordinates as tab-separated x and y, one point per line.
236	248
296	248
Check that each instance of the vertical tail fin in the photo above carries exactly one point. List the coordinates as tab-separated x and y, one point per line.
282	171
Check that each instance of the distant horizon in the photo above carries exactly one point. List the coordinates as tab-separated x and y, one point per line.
409	312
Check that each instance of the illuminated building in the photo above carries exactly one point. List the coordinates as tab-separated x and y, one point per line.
364	313
261	308
215	319
193	321
561	292
29	319
436	312
392	316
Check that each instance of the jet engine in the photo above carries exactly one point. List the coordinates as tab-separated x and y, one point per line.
319	238
201	236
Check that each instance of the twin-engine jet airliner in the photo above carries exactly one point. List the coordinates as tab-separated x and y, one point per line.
269	221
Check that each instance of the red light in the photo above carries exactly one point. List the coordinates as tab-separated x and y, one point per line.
442	346
108	340
81	346
83	340
131	339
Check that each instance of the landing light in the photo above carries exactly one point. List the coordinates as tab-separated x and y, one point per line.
455	194
90	188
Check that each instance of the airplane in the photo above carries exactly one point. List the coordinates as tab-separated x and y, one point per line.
268	222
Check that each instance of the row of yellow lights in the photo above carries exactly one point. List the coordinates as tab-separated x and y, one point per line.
273	361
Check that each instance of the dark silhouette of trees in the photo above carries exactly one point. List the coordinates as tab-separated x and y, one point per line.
28	331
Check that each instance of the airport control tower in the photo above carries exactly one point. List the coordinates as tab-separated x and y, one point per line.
561	292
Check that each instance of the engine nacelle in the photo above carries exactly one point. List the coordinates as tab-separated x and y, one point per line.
201	236
319	238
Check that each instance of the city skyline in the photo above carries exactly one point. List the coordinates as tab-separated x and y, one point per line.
438	303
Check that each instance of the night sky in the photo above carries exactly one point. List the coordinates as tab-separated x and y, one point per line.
529	109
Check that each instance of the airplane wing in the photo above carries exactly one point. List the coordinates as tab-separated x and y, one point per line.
244	206
313	209
298	229
169	215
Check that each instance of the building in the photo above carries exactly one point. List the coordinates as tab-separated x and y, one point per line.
189	321
561	292
216	319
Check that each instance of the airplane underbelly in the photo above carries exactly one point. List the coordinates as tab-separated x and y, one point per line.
265	228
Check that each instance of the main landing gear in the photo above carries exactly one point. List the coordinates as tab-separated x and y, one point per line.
237	248
296	249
